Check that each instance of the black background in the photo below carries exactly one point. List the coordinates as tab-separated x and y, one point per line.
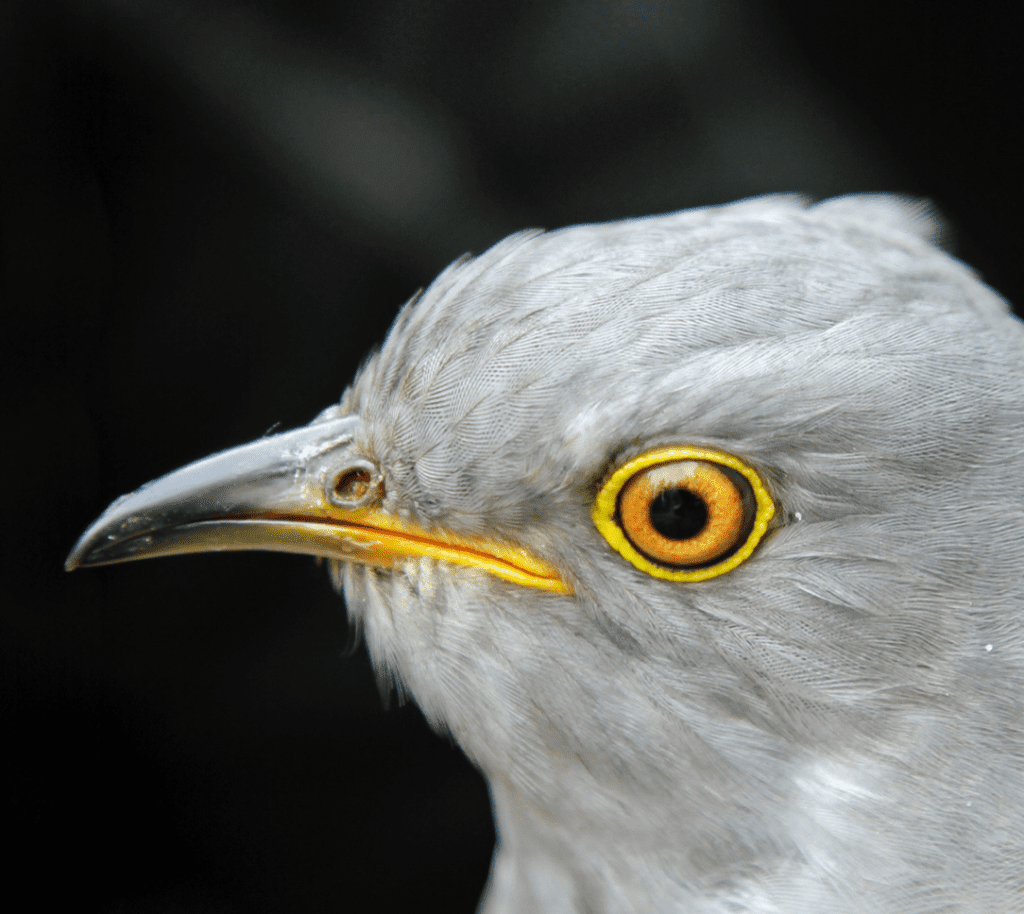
210	212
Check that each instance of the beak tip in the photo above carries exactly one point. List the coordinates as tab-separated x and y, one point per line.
75	558
83	550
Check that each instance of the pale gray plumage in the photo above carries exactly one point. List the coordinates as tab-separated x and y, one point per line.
836	725
823	729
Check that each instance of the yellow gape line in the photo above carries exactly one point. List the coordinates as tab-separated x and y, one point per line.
717	495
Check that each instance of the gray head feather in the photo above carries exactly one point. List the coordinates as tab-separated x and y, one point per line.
837	725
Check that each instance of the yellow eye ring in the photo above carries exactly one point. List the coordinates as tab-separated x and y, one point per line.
714	508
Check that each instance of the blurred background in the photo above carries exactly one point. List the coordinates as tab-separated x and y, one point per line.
210	213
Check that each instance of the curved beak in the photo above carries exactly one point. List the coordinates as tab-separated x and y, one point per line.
307	491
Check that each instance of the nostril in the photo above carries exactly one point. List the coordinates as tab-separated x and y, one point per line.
352	485
356	485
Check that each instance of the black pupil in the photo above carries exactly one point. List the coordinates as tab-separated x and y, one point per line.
678	514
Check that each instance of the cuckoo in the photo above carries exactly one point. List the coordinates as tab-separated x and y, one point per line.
703	536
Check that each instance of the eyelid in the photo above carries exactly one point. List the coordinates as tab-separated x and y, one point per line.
606	517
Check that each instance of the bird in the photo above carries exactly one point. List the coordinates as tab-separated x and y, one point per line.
702	534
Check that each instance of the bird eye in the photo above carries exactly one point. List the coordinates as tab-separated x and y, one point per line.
684	514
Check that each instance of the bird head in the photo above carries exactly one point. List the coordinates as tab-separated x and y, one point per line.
702	534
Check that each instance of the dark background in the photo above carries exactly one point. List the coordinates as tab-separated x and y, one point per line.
210	212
